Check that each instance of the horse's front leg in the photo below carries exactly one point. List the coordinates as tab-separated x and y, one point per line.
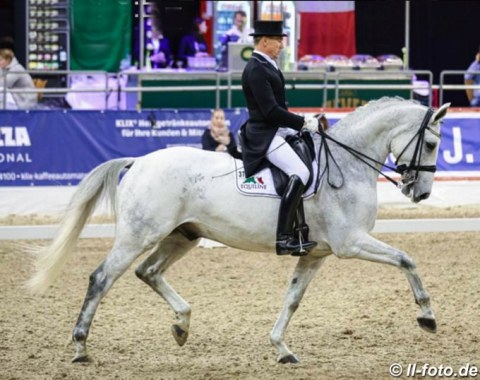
305	270
369	248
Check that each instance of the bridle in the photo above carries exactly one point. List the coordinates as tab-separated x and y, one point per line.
409	172
414	166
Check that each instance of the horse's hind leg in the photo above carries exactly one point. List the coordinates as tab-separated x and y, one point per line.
305	270
101	280
151	270
369	248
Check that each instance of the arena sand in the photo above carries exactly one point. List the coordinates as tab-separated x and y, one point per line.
356	319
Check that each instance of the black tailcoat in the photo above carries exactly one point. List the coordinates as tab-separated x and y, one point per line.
264	89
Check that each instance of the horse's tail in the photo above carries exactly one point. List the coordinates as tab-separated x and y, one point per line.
99	183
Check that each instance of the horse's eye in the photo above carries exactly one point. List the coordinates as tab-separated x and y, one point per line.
431	146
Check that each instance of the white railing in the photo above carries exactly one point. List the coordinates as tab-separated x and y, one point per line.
327	81
41	74
455	87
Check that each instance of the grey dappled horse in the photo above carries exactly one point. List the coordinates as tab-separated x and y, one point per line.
169	199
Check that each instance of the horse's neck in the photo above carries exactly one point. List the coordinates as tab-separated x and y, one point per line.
370	136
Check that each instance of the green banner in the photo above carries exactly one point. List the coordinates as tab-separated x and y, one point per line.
101	33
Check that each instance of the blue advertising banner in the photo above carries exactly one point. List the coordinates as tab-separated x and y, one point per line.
48	148
460	146
52	148
459	153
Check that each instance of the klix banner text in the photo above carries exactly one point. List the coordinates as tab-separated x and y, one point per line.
47	148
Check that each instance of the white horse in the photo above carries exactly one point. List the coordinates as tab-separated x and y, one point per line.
169	199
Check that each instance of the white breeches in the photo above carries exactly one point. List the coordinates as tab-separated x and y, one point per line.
284	157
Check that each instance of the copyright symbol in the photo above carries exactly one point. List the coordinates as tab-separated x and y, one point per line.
396	370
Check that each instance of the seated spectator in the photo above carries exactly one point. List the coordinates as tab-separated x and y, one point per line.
17	78
194	44
218	137
159	50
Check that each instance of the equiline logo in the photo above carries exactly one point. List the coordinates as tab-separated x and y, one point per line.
253	182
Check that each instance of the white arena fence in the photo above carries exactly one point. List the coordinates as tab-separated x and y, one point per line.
381	226
109	89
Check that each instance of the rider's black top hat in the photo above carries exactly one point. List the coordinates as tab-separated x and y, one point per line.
268	28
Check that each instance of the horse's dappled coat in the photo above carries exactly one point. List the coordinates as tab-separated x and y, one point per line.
169	199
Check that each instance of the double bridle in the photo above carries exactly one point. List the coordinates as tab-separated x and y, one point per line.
408	172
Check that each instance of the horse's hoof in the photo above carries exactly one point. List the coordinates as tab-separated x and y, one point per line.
81	359
427	324
288	359
179	334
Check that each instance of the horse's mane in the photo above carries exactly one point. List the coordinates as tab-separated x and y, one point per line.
362	113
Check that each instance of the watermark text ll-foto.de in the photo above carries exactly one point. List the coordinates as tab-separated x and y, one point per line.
427	370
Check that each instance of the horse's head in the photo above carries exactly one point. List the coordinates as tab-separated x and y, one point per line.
416	151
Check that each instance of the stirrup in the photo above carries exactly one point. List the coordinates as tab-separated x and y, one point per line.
305	248
290	245
305	245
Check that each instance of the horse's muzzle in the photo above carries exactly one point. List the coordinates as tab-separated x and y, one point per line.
421	197
407	189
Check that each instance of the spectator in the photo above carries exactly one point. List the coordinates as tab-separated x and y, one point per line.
18	78
218	137
194	44
473	78
159	50
239	32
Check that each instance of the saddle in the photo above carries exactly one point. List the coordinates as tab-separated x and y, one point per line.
304	147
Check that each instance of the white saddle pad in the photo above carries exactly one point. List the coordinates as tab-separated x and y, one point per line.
261	184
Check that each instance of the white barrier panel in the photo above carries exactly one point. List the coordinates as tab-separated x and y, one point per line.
381	226
54	199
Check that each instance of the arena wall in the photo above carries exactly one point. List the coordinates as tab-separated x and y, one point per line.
45	154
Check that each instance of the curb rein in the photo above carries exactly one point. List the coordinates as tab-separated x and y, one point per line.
403	169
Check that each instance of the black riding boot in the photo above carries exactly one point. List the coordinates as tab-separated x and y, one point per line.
287	243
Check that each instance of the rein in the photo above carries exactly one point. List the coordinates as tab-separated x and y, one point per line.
400	169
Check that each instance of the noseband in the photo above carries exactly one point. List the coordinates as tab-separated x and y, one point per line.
404	169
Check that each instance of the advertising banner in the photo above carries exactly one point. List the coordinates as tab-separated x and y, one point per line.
51	148
45	148
459	154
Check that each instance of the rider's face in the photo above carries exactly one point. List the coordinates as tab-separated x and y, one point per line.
273	46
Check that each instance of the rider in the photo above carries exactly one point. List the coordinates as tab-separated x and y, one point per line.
263	137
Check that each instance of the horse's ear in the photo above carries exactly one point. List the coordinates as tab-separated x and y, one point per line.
441	112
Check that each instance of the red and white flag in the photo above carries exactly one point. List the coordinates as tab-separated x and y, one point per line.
326	27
